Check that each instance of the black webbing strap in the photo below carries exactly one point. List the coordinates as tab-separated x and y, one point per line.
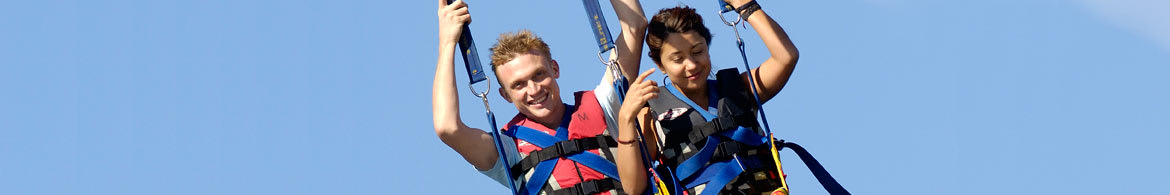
720	124
560	149
819	171
589	187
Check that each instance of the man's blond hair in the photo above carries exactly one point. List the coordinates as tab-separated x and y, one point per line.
509	45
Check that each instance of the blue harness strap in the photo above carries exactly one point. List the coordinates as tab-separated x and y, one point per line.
597	24
475	74
544	169
540	139
470	56
696	170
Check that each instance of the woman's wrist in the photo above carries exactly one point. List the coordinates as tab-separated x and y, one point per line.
747	9
626	141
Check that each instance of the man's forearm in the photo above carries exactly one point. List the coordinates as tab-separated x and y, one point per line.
444	97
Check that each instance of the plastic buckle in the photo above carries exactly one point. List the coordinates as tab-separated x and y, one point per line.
587	188
717	124
725	150
568	147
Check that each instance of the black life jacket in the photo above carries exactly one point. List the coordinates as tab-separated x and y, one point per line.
714	153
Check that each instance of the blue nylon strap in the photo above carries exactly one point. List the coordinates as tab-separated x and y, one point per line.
621	84
713	172
540	139
745	135
500	149
693	165
470	56
702	111
563	129
597	24
696	162
724	7
539	176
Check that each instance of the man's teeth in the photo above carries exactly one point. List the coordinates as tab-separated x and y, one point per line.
541	100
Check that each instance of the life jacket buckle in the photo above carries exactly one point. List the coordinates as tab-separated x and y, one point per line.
589	188
568	147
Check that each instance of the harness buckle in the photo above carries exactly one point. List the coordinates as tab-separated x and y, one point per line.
588	188
568	147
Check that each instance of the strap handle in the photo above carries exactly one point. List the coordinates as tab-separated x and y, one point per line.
597	24
475	74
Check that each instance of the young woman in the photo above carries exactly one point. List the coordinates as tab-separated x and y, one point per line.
703	130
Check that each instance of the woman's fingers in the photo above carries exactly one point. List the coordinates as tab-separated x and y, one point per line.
643	75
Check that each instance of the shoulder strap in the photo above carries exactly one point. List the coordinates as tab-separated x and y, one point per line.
818	171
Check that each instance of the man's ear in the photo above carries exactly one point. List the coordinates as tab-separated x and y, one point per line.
504	95
556	68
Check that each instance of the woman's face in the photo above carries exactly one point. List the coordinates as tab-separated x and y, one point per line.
686	61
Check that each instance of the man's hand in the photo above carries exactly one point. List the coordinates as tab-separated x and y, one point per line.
452	17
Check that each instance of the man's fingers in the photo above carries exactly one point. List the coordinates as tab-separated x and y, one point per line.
459	4
461	11
465	19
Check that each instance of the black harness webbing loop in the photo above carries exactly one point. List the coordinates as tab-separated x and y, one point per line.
589	187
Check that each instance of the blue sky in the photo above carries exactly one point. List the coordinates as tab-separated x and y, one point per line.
279	97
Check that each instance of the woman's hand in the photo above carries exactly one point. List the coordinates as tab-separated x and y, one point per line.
452	17
640	92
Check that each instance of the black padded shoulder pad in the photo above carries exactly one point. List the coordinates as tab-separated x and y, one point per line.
731	85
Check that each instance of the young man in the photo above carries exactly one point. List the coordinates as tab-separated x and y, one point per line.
527	75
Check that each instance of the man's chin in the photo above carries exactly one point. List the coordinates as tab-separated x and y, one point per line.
538	113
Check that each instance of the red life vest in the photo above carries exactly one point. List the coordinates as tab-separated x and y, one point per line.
587	122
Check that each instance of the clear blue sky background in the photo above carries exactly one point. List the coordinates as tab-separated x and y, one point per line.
333	97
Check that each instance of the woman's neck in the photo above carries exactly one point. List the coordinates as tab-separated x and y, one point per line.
699	96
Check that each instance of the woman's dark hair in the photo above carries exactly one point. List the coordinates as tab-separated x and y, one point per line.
673	20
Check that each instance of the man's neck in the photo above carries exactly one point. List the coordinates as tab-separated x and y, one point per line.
554	120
